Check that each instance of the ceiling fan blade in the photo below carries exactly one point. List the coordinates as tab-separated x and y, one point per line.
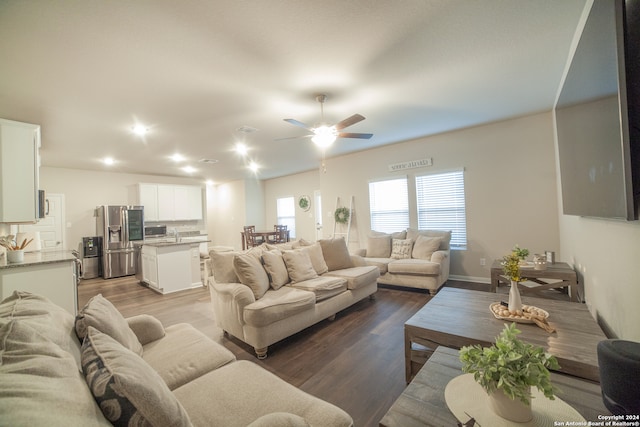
355	135
297	123
349	121
293	137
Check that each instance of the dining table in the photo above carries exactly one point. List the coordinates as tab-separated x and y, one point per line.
262	236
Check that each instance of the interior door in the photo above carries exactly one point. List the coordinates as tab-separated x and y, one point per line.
317	212
51	227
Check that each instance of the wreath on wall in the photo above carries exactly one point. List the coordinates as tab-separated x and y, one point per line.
304	203
342	215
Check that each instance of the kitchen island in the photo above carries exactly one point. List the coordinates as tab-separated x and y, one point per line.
169	266
51	274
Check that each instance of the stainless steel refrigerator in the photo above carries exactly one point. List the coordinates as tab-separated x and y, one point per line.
119	227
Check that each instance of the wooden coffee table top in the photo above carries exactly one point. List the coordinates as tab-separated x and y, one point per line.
423	403
459	317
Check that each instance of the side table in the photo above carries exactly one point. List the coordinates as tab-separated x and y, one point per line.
559	274
422	403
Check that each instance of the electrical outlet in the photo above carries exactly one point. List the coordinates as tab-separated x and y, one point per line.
483	261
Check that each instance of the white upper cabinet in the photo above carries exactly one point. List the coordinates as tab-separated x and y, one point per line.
19	164
164	202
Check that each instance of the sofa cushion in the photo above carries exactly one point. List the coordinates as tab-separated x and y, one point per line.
299	265
280	419
212	400
401	249
413	234
425	246
317	259
323	287
249	270
105	317
51	320
276	268
357	277
381	263
414	266
184	354
379	246
128	390
278	305
336	253
222	266
41	383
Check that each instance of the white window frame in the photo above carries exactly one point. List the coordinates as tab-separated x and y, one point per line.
440	201
389	204
286	214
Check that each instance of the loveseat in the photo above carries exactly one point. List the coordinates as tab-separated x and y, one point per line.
411	258
267	293
134	372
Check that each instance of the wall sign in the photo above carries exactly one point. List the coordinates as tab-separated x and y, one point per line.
411	164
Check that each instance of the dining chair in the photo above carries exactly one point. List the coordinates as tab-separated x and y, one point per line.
281	237
250	237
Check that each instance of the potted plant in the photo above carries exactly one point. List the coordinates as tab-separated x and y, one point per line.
521	253
507	370
15	252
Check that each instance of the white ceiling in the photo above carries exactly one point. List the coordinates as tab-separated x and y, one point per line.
196	71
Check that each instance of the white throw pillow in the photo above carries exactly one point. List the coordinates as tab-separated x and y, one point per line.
249	270
317	259
401	248
425	246
379	246
299	265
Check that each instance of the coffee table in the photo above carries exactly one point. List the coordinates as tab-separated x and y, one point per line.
458	317
558	275
423	403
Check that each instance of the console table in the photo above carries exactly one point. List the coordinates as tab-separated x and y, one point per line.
560	273
423	403
458	317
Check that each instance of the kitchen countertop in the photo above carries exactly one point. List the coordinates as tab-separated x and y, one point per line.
161	244
35	258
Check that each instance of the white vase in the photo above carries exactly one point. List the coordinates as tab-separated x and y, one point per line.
15	256
515	303
510	409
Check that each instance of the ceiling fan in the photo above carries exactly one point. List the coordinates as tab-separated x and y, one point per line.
324	135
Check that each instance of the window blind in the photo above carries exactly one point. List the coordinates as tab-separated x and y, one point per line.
441	205
286	214
389	205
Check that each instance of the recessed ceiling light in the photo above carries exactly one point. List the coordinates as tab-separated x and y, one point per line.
177	158
108	161
140	129
254	166
241	149
209	182
189	169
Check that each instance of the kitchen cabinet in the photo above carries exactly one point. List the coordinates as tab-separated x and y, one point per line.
50	274
171	267
164	202
19	167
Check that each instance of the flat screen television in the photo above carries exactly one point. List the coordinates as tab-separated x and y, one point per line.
597	115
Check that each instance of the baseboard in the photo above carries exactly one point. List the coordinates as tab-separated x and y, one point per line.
485	280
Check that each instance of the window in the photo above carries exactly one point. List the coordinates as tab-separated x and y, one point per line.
286	213
441	206
389	205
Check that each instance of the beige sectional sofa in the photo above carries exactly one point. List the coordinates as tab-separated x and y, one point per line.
134	372
270	292
411	258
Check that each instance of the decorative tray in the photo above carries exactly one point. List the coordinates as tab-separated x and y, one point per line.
528	314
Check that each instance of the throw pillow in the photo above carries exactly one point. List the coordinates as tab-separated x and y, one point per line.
222	266
276	269
401	249
379	246
425	246
336	253
102	315
250	272
128	391
317	259
299	265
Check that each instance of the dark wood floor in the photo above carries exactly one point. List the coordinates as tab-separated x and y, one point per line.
355	362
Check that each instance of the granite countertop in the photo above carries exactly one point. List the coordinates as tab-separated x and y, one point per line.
35	258
160	244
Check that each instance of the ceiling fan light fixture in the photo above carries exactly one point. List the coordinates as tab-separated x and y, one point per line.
324	136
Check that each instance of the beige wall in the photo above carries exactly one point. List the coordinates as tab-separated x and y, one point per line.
509	178
85	190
